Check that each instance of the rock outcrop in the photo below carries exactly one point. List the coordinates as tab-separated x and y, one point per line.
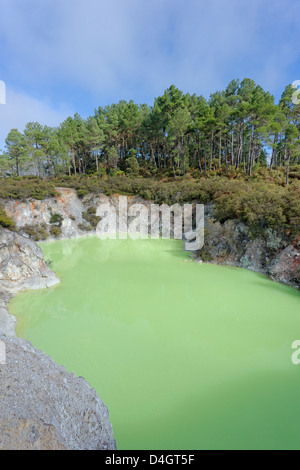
42	406
22	264
22	267
232	244
285	267
35	213
229	243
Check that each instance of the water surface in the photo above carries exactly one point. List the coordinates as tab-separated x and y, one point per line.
185	356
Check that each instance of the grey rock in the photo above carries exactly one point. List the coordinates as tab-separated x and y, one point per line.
231	244
226	243
22	267
285	266
43	407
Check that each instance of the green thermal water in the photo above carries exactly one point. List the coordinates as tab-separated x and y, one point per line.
185	356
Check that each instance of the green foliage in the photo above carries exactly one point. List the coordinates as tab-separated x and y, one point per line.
55	231
85	227
82	193
115	172
36	232
5	221
260	201
56	219
101	172
259	205
238	150
240	128
91	217
25	188
132	166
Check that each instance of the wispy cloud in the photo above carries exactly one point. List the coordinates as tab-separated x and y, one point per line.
21	108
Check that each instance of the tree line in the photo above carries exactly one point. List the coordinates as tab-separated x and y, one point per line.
238	128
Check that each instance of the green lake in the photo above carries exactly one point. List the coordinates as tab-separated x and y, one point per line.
184	355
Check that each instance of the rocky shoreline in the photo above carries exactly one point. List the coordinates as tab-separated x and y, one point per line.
22	267
42	406
229	243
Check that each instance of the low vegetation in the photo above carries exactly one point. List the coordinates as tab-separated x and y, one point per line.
56	219
262	201
26	187
55	231
36	232
5	221
91	217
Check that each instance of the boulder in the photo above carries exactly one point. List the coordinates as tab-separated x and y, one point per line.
285	267
43	407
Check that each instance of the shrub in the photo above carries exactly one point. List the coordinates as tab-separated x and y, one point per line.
146	194
5	221
82	193
55	231
36	232
56	219
85	227
91	217
132	166
261	202
24	188
101	172
115	172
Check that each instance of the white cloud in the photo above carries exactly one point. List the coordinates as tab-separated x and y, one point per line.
21	108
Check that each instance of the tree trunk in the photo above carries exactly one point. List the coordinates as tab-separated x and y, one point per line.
182	151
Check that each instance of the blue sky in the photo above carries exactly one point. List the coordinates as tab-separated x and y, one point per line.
58	57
